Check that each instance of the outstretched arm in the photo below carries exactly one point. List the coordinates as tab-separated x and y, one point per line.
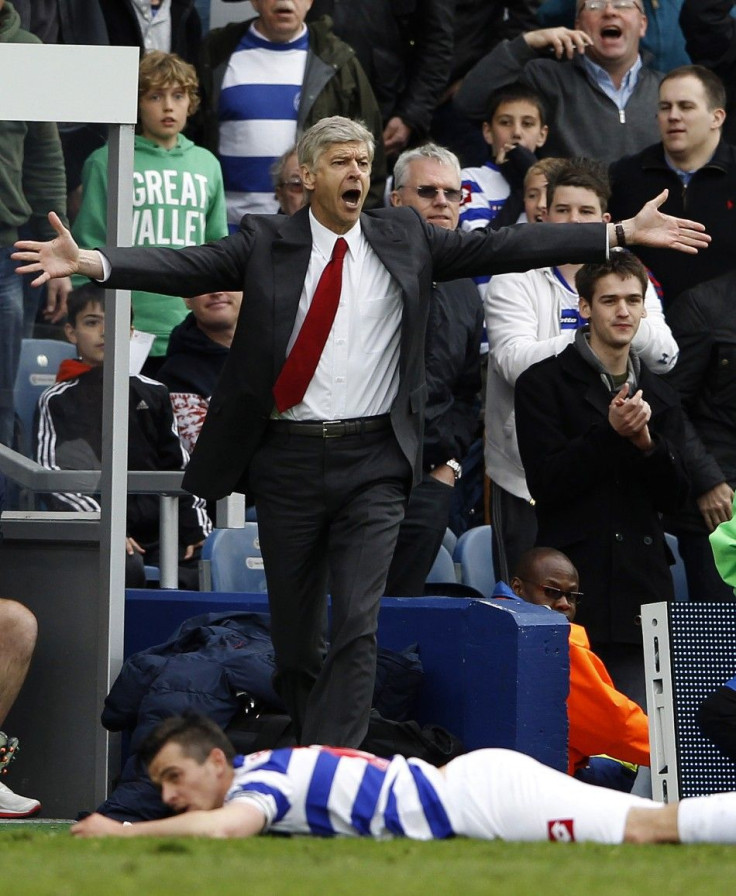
237	819
650	227
60	257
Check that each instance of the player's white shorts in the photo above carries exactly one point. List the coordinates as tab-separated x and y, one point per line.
500	794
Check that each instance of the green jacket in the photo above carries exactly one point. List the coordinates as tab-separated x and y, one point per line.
32	175
178	200
334	84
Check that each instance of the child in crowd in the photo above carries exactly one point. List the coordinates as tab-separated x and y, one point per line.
493	194
69	437
516	128
178	197
536	181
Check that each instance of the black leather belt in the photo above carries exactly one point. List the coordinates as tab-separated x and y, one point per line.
332	429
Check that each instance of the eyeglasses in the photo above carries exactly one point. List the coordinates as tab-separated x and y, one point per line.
426	192
600	5
556	594
293	186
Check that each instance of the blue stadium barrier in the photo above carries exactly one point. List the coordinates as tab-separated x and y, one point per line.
496	673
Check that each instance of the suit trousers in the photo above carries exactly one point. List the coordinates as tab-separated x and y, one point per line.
420	537
513	530
329	512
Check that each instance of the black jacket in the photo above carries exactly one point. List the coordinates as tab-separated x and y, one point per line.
452	358
710	40
63	21
597	496
69	437
405	48
703	321
709	198
186	28
193	360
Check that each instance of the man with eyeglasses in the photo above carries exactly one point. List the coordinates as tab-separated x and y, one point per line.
287	182
598	93
427	179
601	719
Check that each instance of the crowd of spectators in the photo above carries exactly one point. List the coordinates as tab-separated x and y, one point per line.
564	113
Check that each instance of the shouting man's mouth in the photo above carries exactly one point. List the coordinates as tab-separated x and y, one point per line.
352	198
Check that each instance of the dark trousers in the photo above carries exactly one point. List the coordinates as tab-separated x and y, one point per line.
329	512
420	537
704	582
513	530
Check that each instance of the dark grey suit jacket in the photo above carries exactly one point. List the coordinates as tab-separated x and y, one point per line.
268	260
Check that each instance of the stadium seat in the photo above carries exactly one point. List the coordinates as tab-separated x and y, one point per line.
679	578
153	575
475	559
443	568
449	540
39	362
232	561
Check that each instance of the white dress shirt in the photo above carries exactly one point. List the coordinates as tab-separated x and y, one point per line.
358	373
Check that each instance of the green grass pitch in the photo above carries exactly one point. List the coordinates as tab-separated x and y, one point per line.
47	861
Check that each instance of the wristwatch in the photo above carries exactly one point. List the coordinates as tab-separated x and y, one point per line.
456	467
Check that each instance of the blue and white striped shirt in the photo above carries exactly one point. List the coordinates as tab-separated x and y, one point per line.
328	791
258	111
485	190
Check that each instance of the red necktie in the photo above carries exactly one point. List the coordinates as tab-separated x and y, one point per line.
299	367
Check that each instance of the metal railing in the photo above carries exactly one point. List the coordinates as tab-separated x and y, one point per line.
29	475
34	478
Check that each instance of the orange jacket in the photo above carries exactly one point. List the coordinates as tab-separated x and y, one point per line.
602	719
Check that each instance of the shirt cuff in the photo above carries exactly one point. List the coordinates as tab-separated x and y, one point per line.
107	267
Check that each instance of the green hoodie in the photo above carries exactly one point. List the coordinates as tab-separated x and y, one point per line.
32	176
178	200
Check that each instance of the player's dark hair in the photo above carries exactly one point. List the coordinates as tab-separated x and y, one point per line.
196	734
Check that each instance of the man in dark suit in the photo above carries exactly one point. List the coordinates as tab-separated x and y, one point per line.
600	438
427	179
330	474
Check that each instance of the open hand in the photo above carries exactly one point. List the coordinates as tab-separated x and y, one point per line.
55	258
653	228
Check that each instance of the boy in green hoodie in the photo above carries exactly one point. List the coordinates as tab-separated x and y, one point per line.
178	197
